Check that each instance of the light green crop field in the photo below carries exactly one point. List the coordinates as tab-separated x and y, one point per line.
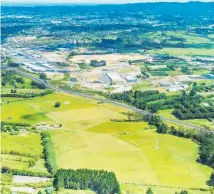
23	111
28	143
183	51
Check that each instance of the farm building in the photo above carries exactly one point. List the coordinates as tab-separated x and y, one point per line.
115	78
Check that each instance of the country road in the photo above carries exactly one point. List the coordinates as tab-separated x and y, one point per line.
103	100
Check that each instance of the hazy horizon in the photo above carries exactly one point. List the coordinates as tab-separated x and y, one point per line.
93	1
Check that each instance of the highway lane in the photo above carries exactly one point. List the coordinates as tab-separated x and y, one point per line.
131	108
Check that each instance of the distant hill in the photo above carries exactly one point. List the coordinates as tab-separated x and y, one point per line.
190	8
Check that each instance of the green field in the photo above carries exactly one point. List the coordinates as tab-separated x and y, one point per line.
88	139
23	145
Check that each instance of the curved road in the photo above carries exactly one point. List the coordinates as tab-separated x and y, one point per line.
103	100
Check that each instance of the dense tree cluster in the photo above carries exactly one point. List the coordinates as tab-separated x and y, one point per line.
193	112
38	85
140	99
203	87
190	108
11	78
49	154
187	106
206	148
100	181
211	181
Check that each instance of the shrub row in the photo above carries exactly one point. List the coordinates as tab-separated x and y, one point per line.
21	154
24	172
15	124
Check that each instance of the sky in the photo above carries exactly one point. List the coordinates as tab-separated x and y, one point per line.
93	1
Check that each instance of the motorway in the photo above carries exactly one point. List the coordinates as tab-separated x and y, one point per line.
131	108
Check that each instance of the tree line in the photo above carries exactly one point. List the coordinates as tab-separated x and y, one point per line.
27	95
49	154
100	181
